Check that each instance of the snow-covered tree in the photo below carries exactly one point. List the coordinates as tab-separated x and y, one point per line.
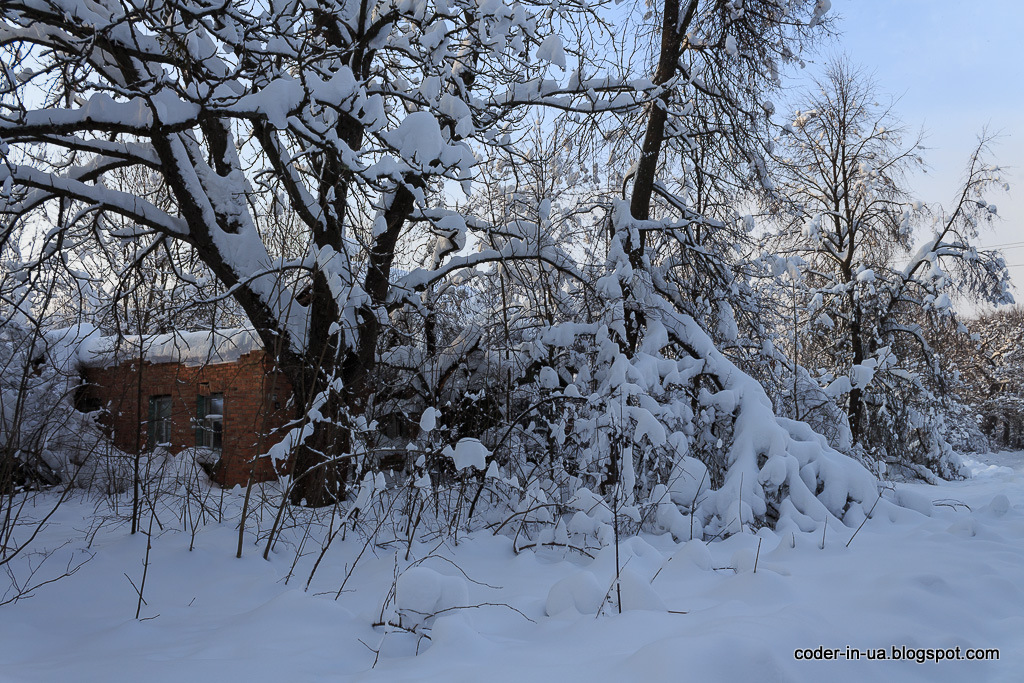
872	289
663	412
355	117
991	364
359	122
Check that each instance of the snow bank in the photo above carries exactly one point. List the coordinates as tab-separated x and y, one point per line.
580	593
421	592
945	581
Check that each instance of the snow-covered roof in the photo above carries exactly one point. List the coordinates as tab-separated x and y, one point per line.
202	347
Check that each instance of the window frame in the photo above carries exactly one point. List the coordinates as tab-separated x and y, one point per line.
209	424
159	423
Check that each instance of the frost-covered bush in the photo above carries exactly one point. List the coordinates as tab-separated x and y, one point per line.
46	440
673	435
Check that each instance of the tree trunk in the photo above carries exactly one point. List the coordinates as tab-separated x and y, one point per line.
856	406
673	30
321	463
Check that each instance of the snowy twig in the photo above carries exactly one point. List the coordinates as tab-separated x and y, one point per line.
864	521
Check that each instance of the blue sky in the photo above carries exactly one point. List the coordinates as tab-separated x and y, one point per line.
956	67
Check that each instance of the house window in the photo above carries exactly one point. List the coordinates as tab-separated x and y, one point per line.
210	421
158	432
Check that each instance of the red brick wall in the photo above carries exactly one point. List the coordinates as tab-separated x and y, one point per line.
250	412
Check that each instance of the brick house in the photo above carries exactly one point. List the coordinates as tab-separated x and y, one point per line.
214	391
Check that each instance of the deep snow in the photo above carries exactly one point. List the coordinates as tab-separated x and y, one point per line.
951	579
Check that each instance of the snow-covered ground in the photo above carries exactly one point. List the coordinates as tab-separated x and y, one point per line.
954	579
